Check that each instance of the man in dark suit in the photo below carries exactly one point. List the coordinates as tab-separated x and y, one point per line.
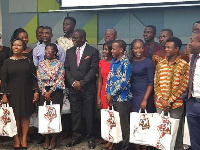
193	101
81	68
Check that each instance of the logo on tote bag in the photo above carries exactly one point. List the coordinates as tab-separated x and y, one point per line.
50	115
111	123
163	129
144	122
5	119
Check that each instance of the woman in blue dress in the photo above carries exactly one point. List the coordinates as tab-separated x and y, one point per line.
141	81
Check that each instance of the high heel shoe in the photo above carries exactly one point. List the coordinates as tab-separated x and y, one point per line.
23	148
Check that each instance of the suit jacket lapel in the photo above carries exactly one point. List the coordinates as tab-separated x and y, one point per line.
74	58
84	54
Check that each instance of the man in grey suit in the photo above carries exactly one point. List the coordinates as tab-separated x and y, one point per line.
81	68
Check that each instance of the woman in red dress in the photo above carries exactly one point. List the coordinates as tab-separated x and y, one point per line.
104	69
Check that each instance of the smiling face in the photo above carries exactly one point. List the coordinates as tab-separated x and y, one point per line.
78	41
171	49
50	53
138	49
17	47
23	36
117	51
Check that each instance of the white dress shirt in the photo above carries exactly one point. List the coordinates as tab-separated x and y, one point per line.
196	81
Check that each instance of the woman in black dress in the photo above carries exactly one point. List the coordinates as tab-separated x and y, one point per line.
22	34
18	79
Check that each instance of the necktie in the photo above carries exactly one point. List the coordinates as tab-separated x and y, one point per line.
192	77
78	56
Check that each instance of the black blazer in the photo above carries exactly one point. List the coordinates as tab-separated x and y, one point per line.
87	70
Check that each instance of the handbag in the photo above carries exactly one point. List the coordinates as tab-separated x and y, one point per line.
66	104
164	130
140	124
8	125
49	119
110	126
186	135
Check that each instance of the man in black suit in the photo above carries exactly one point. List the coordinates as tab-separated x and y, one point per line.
81	68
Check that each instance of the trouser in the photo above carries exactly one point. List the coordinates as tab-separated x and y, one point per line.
124	113
193	118
82	104
177	114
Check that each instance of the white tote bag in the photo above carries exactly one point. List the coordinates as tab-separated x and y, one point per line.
164	131
66	104
7	121
49	119
110	126
140	127
186	136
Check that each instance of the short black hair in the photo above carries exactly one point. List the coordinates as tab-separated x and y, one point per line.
121	44
16	33
136	40
47	27
40	27
152	27
109	45
23	43
177	41
81	32
169	31
72	20
54	46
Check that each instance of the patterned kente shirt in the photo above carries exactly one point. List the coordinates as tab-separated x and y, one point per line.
51	73
171	81
118	81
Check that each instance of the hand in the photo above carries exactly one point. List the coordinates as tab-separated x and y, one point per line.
143	104
99	103
35	97
47	95
77	85
4	99
109	100
166	105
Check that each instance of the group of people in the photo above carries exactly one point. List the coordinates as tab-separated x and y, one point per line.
156	77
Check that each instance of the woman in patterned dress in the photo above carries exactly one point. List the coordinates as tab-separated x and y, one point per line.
50	75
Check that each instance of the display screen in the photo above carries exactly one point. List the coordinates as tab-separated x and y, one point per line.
109	3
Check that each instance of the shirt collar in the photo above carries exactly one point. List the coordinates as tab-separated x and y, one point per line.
175	62
82	47
122	58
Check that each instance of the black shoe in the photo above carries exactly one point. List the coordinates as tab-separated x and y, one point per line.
23	148
73	142
91	144
41	140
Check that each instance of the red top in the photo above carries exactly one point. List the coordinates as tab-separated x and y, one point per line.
105	69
